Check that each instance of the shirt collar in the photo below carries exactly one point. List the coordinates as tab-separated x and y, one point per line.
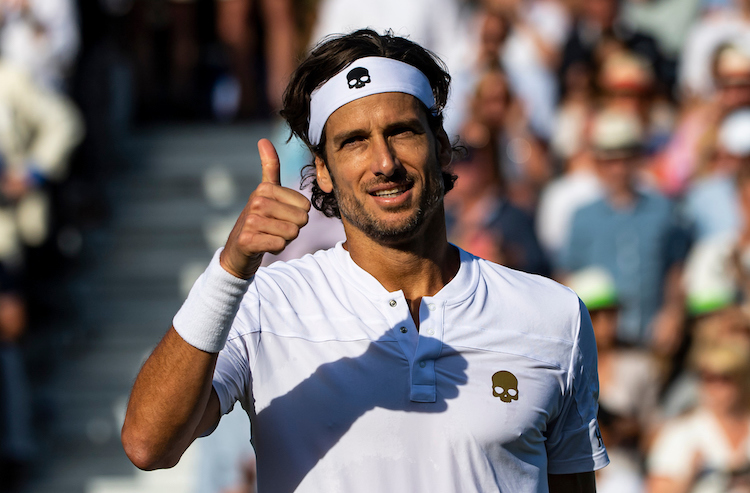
458	289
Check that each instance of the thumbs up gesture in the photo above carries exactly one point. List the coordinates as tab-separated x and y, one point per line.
271	219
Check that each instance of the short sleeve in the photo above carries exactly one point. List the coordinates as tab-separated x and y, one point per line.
232	374
574	443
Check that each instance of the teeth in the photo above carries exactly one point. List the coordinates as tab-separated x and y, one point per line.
388	193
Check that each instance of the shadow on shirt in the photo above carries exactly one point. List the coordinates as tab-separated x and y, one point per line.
296	430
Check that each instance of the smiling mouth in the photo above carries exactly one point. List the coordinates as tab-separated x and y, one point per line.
391	192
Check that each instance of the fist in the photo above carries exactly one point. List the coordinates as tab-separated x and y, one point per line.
271	219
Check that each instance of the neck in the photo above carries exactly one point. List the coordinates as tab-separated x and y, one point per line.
622	199
419	267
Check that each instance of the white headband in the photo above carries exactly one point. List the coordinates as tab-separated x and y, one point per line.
364	77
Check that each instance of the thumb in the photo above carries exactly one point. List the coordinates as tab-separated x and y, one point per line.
269	161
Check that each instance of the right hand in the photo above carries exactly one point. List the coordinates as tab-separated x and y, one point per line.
271	219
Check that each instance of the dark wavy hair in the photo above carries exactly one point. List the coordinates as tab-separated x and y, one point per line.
330	57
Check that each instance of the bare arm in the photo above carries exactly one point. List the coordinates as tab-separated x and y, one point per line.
583	482
172	402
668	485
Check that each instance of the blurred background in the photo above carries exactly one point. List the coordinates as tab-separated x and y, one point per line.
607	145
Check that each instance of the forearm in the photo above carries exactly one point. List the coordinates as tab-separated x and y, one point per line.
169	400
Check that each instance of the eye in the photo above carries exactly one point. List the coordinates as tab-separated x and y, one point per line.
404	131
352	141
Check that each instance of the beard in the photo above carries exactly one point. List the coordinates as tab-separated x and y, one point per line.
353	210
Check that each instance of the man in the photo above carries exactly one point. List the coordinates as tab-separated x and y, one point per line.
633	235
600	29
394	361
712	202
41	37
39	129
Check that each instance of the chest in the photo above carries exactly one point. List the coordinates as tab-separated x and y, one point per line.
460	381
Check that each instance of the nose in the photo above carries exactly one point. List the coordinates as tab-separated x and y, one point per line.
383	161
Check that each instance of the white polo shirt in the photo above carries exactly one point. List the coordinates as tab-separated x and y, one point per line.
345	395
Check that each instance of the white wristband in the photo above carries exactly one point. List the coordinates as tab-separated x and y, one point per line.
209	310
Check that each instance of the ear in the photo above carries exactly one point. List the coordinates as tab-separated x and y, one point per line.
444	149
322	175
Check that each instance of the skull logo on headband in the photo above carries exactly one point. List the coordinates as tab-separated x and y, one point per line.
358	77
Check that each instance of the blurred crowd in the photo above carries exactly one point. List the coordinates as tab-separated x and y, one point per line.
40	128
606	144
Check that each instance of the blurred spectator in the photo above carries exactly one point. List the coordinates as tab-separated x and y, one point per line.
634	235
497	123
578	185
233	28
38	131
628	377
712	202
668	21
691	150
741	247
707	450
629	384
17	446
493	31
561	198
717	27
531	53
480	216
627	83
710	279
41	37
726	323
599	30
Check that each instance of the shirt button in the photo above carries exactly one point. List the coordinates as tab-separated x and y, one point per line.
404	330
430	332
431	306
422	364
392	303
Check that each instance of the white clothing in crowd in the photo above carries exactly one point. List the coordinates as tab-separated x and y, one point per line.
44	40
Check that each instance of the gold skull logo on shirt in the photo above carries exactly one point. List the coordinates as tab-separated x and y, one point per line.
505	386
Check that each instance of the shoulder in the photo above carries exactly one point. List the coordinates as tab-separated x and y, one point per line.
662	207
515	313
589	215
312	274
310	264
594	208
711	185
540	302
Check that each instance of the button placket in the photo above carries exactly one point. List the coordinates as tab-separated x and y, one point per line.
429	346
397	315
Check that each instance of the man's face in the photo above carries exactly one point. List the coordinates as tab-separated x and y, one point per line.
384	165
733	92
601	12
617	171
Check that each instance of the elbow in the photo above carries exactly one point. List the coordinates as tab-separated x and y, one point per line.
144	455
